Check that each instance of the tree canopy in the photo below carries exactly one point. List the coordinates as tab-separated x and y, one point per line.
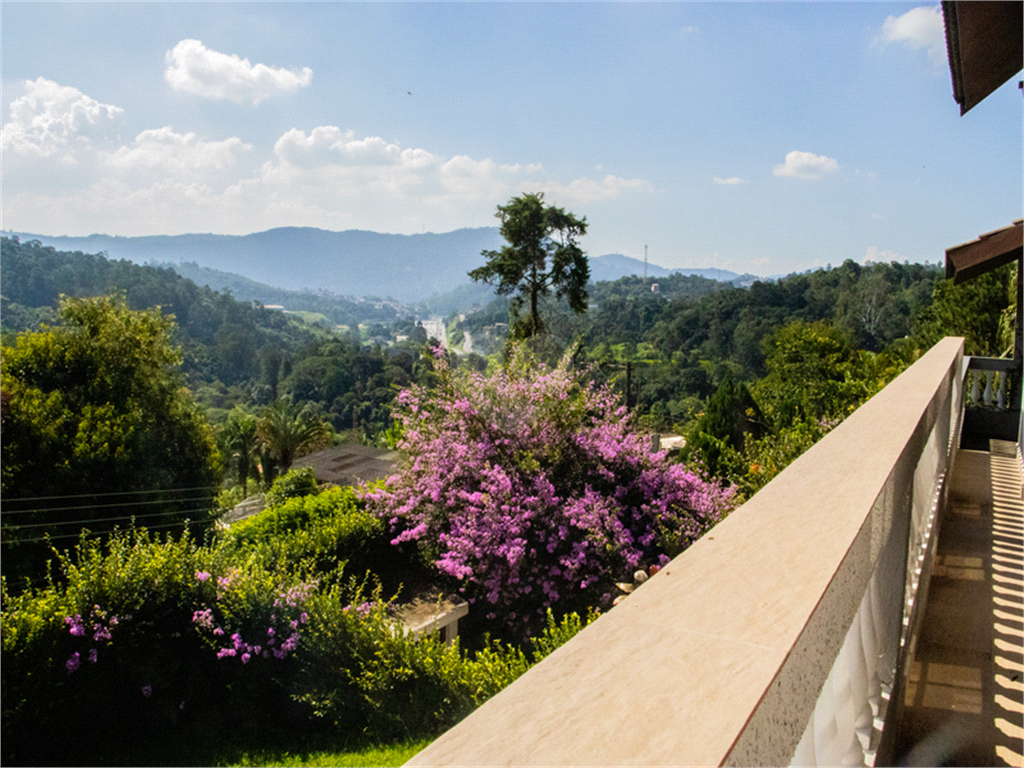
535	234
94	408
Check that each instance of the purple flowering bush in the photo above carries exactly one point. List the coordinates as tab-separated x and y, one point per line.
530	489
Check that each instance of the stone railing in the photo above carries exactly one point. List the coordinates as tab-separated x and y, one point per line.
778	638
990	379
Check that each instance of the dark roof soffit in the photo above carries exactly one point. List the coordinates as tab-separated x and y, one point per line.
985	45
987	252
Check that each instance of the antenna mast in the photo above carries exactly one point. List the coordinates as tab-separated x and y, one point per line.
645	262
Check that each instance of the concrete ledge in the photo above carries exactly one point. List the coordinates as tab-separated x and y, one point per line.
719	658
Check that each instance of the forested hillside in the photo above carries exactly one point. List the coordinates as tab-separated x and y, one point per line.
234	353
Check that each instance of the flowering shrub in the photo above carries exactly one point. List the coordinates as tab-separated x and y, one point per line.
530	489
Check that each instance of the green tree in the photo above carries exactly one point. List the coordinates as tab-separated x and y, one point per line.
535	234
812	374
972	310
719	435
288	433
95	409
240	437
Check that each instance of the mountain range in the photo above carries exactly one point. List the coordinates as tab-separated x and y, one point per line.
408	268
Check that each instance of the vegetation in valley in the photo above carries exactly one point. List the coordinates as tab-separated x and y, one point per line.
144	405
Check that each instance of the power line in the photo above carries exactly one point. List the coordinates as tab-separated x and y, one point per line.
78	535
104	519
115	493
107	506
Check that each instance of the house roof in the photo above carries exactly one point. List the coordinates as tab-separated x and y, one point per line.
985	45
985	253
348	464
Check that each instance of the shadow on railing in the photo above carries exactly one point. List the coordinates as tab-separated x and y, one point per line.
780	637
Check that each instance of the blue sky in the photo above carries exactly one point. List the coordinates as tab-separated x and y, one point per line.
760	138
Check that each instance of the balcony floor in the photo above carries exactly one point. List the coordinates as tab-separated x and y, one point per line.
963	702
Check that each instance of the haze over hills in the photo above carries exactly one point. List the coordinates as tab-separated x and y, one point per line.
408	268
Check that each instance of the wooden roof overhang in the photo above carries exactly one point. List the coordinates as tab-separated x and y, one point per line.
985	253
985	44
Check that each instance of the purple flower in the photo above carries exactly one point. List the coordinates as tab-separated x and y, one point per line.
530	485
245	658
75	626
73	663
202	575
93	655
147	690
303	617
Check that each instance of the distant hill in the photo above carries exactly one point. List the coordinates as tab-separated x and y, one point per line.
612	266
407	268
351	263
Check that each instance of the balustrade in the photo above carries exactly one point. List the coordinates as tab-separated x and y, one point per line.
991	379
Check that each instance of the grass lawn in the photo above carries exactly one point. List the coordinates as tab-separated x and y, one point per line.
388	755
271	749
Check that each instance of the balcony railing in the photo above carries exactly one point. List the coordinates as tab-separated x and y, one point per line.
780	637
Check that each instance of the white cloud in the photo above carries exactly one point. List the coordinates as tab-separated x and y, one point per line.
51	119
805	165
162	150
193	67
729	181
918	28
875	256
169	182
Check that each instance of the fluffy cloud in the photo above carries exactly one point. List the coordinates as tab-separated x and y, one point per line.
805	165
166	152
193	67
918	28
55	120
341	165
729	181
169	182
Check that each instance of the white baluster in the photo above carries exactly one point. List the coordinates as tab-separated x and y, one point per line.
975	386
1003	376
988	387
804	755
863	678
825	729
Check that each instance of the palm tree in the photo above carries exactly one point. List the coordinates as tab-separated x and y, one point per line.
287	434
240	439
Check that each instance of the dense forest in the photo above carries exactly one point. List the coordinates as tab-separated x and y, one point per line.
672	341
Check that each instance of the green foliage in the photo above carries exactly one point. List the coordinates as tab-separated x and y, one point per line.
973	310
536	233
406	686
95	406
295	482
720	433
183	643
811	374
288	432
239	437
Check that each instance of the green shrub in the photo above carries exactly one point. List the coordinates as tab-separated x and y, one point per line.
295	482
